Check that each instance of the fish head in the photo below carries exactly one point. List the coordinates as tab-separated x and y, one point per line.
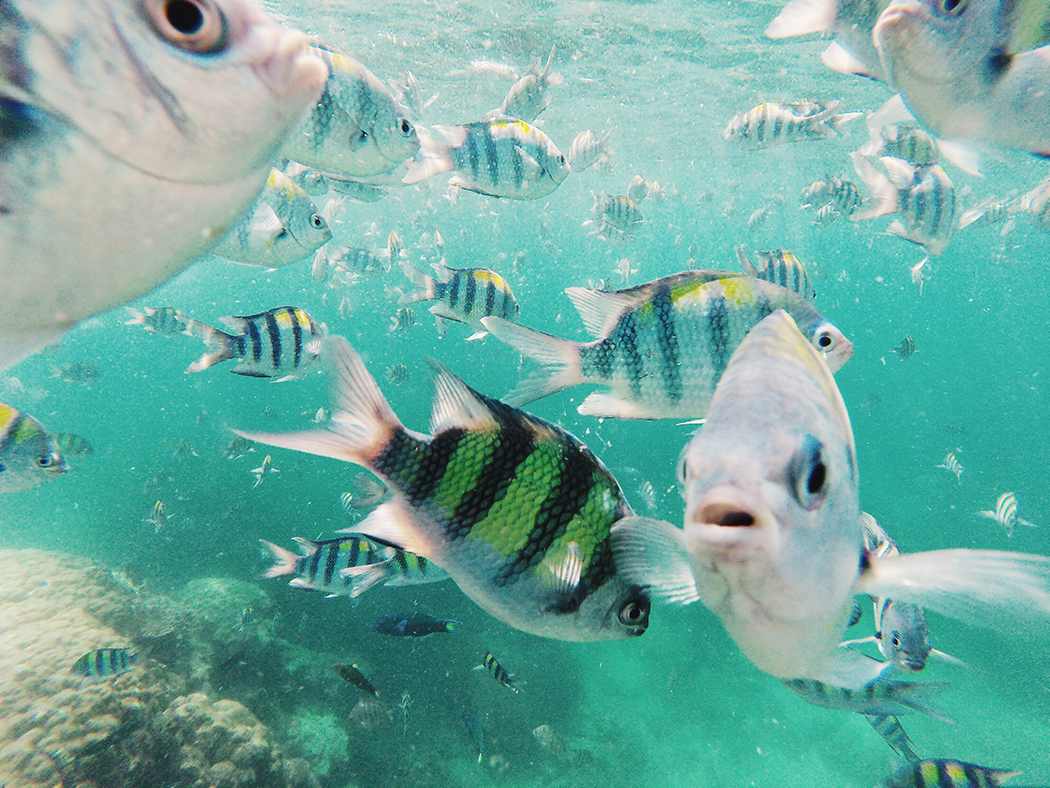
772	519
617	610
905	639
937	40
556	165
30	457
824	336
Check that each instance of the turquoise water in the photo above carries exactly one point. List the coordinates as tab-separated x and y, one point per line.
679	706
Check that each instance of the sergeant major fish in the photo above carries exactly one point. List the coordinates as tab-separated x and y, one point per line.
770	123
515	509
133	134
587	149
498	672
663	345
164	320
1006	513
320	565
773	542
29	455
463	295
945	773
527	97
102	663
780	267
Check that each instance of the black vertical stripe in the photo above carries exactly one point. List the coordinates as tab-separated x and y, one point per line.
471	294
401	561
415	467
718	330
490	297
256	341
471	145
667	342
491	155
330	564
517	167
315	563
297	338
453	289
354	553
274	334
627	350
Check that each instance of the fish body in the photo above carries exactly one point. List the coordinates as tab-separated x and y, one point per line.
502	157
355	129
413	625
878	698
663	345
164	320
353	675
463	295
80	372
280	343
911	143
1006	513
840	194
944	773
166	134
906	349
617	211
527	97
780	267
893	733
770	124
103	663
321	563
516	510
473	726
498	672
73	445
29	454
158	517
952	465
587	149
263	470
283	226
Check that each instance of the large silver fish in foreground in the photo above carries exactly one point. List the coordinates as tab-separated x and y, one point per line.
133	134
772	541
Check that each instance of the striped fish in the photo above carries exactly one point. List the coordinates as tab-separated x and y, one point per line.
527	97
463	295
73	445
944	773
158	518
281	343
893	733
104	662
770	123
503	157
164	320
780	267
616	211
516	510
923	196
662	346
29	455
356	128
877	698
911	143
498	672
588	148
1006	513
952	465
1037	203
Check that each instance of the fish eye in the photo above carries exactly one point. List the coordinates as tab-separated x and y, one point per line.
895	640
635	613
46	460
362	135
808	474
953	7
825	340
405	127
196	26
316	221
680	472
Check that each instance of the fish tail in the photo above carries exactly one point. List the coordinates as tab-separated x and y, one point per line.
425	285
284	560
917	695
361	424
223	345
884	198
561	359
745	263
137	318
437	155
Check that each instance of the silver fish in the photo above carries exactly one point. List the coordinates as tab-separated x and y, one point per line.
165	320
527	97
29	455
770	123
263	470
1006	513
780	267
132	137
952	465
587	149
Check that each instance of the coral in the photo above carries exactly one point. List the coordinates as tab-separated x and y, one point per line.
319	739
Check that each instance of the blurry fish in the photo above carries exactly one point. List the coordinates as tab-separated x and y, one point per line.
415	625
369	713
282	227
516	510
923	196
503	157
780	267
991	211
244	619
952	465
318	183
1006	513
498	672
29	455
281	343
588	148
877	698
164	122
910	143
403	319
527	97
891	730
906	349
355	129
920	272
73	445
615	211
840	193
261	472
624	270
648	494
104	662
773	541
237	447
368	493
663	345
397	374
944	773
153	483
129	577
80	372
353	675
473	725
827	214
408	93
319	566
163	320
184	448
463	295
549	740
356	260
849	22
158	518
1037	203
769	124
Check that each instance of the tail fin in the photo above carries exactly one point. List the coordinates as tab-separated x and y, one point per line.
437	156
221	342
361	423
284	560
560	357
745	263
425	284
884	197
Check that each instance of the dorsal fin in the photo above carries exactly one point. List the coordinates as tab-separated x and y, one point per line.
456	404
599	309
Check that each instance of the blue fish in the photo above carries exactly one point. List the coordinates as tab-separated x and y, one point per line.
104	662
414	625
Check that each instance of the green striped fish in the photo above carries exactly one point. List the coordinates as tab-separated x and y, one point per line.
891	730
29	455
464	295
280	343
880	697
499	673
516	510
104	662
944	773
661	346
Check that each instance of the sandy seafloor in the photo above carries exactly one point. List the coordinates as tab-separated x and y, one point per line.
679	706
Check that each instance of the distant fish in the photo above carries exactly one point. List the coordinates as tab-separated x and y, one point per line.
616	212
237	447
104	663
29	455
369	492
263	470
463	295
353	675
164	320
158	518
403	319
827	214
527	97
770	123
648	494
498	672
944	773
80	372
588	148
780	267
320	565
473	725
906	349
1006	513
952	465
397	373
245	619
840	194
907	142
415	625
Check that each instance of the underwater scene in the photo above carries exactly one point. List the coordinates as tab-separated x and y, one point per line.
451	463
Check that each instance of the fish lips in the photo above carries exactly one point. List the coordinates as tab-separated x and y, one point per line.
906	35
730	522
288	70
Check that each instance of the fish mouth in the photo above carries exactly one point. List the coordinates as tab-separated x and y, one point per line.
289	70
730	517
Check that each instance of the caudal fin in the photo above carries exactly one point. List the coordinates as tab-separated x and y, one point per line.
283	560
561	359
425	285
222	344
884	198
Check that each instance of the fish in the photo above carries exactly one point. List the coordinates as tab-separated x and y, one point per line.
368	493
263	470
587	149
397	373
166	133
319	566
356	261
1006	513
827	214
29	454
158	518
282	227
164	320
841	194
527	97
502	157
73	445
945	773
498	672
403	319
244	619
1036	202
355	129
515	509
352	675
415	625
661	346
462	295
909	142
617	212
780	267
473	725
992	211
893	733
877	698
317	183
952	465
281	343
849	22
80	372
773	541
771	123
923	196
237	447
103	663
906	349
